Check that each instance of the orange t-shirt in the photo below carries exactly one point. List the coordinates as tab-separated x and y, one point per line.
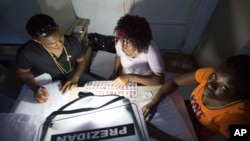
217	120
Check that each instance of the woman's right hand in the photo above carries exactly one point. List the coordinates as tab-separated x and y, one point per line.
41	95
149	110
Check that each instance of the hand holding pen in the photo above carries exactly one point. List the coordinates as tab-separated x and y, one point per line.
41	94
150	116
149	111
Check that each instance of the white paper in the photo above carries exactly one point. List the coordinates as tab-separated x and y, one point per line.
103	64
26	103
147	94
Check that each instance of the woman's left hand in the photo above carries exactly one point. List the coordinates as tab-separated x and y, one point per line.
68	86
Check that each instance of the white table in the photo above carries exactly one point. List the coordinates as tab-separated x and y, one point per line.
172	116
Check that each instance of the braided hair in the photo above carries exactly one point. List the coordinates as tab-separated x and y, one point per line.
238	67
136	29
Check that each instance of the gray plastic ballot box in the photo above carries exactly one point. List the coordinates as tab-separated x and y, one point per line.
95	118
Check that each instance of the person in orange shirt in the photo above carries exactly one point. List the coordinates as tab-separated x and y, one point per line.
221	98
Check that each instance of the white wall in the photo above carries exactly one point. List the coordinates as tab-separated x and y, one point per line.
169	19
103	14
15	13
173	22
61	10
227	33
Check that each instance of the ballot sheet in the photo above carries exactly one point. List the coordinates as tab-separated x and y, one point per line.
26	103
107	88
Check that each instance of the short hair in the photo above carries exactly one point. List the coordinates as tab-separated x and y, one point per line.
136	29
238	67
41	25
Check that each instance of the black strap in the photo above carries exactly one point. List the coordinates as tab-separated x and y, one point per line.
60	111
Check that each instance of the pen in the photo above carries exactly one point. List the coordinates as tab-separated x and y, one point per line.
151	115
39	87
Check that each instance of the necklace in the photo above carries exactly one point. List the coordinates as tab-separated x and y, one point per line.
57	63
53	47
133	55
219	107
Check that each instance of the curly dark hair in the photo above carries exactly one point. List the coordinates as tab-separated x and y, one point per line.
136	29
239	68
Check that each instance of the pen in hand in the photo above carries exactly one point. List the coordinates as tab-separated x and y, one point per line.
150	115
41	94
39	87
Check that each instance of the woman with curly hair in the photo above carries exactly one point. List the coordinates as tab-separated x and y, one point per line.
137	57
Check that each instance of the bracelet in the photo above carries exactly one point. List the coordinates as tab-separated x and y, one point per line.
39	87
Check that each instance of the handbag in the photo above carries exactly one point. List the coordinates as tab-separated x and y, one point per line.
93	117
101	42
